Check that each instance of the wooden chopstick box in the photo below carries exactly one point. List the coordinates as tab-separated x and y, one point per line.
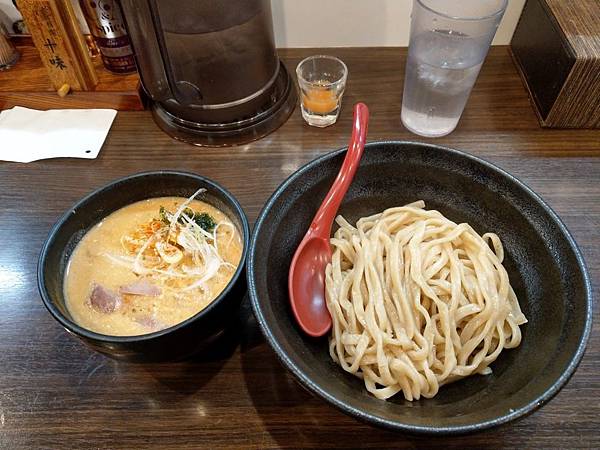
556	47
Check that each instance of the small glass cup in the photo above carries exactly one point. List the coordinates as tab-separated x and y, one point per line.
322	81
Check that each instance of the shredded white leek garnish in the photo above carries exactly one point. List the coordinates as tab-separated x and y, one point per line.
176	252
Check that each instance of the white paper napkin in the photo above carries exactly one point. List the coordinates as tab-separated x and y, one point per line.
29	135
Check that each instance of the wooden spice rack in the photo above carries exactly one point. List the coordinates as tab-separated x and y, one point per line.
27	84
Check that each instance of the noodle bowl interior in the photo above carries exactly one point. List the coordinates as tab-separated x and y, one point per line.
151	265
418	301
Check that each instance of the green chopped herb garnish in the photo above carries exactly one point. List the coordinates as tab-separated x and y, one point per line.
203	220
162	213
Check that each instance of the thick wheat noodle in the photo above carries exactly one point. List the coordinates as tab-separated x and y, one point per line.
418	301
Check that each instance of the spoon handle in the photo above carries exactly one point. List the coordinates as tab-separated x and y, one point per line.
321	224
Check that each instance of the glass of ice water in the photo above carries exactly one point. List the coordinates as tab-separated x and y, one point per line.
322	81
448	44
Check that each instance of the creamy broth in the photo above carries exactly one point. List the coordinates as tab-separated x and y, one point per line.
103	260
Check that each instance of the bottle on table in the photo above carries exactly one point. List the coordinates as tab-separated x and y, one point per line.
105	20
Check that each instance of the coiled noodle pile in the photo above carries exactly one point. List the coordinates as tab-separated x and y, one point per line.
418	301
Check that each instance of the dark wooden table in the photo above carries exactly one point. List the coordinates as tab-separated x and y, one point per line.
55	393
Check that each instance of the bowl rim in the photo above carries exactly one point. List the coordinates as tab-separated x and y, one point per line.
531	406
80	331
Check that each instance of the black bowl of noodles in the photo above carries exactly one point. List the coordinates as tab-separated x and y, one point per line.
544	266
199	332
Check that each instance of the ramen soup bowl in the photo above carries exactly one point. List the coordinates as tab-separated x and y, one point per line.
177	341
543	263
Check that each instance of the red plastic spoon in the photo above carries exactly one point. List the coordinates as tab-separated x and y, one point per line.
306	281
